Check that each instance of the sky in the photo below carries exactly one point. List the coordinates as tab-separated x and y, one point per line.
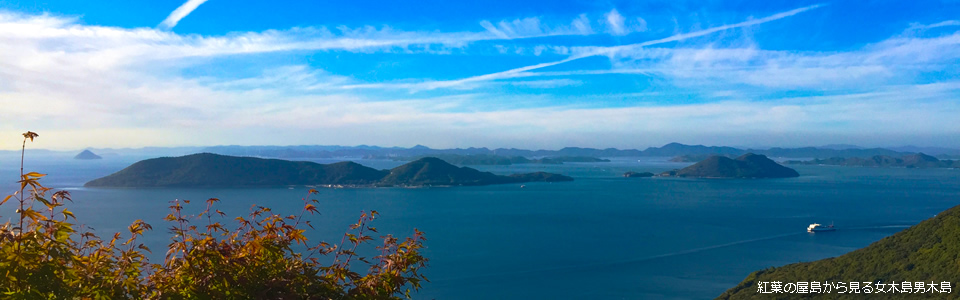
523	74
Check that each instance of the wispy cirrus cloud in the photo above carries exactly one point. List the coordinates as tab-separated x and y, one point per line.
615	21
181	12
892	61
947	23
592	51
135	85
534	27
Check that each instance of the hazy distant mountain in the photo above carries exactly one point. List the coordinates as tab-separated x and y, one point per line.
568	159
813	152
488	159
746	166
86	154
214	170
926	252
697	157
840	147
918	160
470	160
668	150
674	149
927	150
148	151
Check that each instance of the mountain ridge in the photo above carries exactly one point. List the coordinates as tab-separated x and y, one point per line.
214	170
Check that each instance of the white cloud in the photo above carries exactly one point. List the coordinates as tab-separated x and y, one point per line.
181	12
893	61
582	24
81	85
919	112
918	26
551	83
594	51
533	27
641	24
56	41
615	22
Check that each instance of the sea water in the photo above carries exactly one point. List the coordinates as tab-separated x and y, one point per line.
601	236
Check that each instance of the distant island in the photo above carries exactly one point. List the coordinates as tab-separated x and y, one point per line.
926	252
697	157
488	159
87	154
668	150
632	174
746	166
213	170
566	159
918	160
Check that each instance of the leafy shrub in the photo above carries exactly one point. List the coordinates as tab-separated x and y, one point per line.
43	256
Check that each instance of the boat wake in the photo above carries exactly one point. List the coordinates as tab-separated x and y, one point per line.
630	261
671	254
878	227
695	250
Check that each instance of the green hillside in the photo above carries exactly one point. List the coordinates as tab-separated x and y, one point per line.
927	252
213	170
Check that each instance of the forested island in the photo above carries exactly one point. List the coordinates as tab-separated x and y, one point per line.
928	252
745	166
919	160
213	170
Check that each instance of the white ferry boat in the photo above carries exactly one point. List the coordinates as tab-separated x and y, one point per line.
818	227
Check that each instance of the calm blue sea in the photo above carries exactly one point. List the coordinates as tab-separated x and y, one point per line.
599	237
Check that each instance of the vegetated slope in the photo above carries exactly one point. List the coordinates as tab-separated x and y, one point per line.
212	170
927	252
746	166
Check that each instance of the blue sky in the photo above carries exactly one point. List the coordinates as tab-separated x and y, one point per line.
526	74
